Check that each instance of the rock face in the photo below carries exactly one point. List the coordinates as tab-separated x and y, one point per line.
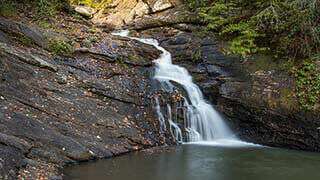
17	29
122	12
97	102
58	110
258	104
84	11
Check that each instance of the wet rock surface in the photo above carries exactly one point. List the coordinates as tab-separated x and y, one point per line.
258	104
56	110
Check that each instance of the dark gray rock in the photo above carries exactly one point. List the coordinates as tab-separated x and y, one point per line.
179	40
15	142
10	162
20	29
215	71
61	110
3	37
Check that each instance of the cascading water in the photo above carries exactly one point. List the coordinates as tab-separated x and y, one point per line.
160	116
202	121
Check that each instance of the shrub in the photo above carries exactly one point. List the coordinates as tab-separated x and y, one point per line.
308	85
60	47
7	8
49	8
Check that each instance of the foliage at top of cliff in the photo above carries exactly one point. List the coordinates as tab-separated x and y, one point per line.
285	28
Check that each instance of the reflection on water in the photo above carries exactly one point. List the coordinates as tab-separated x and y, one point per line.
193	162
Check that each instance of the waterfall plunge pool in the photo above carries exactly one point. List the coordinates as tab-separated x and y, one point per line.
229	159
203	162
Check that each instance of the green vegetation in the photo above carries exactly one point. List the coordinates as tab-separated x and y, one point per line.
43	8
7	8
89	41
287	98
25	40
44	23
49	8
288	30
285	28
196	57
60	47
308	85
97	4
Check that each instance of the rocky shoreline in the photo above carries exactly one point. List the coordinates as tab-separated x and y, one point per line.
97	101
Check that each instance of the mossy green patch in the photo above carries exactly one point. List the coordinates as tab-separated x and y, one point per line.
60	47
197	55
97	4
25	40
287	98
45	24
308	84
89	41
133	58
7	8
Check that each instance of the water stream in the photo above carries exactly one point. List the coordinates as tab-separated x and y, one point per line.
203	124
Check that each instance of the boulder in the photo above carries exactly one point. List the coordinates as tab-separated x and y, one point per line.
85	11
161	5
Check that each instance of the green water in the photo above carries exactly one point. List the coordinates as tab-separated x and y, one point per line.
194	162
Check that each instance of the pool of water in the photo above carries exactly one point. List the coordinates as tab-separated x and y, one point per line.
203	162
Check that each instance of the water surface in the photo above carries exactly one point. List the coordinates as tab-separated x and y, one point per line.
202	162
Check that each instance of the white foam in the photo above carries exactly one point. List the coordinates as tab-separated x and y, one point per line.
225	143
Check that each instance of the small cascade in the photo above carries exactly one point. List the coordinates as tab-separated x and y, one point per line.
201	122
161	118
174	128
191	118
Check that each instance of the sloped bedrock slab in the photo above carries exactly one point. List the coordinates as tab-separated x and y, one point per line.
29	128
85	108
131	52
11	160
15	28
27	57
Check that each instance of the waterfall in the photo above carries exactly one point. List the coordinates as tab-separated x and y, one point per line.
202	122
161	118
